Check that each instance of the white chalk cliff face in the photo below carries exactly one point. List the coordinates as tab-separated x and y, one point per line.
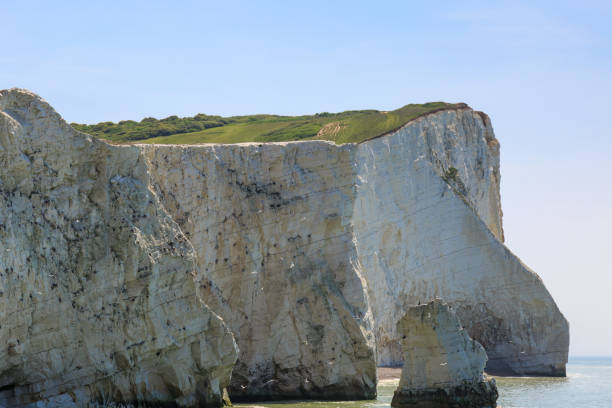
308	252
410	216
97	293
271	225
423	230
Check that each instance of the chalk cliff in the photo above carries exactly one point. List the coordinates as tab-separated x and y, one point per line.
427	223
409	216
443	366
308	251
271	225
97	293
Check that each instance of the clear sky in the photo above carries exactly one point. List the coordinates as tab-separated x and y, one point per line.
542	72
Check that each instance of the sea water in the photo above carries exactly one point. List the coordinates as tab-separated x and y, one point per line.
588	385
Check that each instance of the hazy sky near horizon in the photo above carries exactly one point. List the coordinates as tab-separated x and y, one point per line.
543	72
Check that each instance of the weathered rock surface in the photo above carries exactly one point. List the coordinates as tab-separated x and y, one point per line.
271	225
423	230
443	366
416	214
97	293
308	251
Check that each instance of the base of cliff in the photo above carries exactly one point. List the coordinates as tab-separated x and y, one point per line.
500	368
479	395
274	391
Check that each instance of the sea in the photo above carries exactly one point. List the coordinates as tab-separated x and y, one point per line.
588	385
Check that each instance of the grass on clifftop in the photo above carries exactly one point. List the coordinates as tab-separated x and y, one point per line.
344	127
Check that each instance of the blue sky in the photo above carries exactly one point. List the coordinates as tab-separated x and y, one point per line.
543	72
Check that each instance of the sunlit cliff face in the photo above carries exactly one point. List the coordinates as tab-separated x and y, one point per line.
306	253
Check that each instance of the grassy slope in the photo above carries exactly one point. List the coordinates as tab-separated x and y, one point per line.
344	127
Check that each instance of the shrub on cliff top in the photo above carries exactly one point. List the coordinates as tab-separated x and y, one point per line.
343	127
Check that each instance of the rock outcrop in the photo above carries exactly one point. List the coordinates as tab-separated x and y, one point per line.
97	293
308	251
443	367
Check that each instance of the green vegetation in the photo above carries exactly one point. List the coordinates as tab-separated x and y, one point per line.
451	174
344	127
